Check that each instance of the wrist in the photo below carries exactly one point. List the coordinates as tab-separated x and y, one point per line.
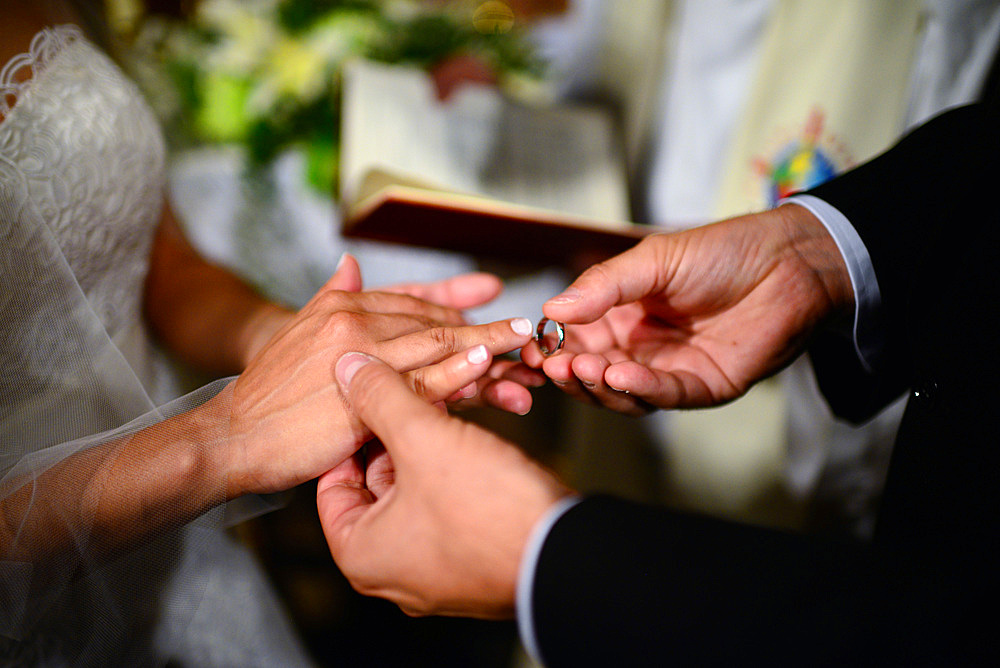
211	425
176	466
811	242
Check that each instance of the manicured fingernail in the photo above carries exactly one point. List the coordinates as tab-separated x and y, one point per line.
340	262
468	391
348	365
568	296
477	355
521	326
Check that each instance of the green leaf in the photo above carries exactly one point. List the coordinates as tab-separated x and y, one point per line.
222	115
322	159
298	15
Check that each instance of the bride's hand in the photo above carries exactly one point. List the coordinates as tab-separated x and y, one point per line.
505	384
288	421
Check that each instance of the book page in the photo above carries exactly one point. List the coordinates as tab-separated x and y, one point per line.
480	143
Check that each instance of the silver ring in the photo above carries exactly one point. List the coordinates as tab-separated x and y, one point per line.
540	336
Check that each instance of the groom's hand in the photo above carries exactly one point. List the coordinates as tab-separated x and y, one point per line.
695	318
437	520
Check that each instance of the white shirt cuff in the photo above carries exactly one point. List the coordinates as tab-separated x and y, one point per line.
526	576
868	339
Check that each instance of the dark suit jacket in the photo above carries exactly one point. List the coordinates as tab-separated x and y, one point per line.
627	584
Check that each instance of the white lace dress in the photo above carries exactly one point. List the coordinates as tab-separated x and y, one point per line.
82	178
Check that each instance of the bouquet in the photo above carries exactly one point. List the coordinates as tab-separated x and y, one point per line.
266	73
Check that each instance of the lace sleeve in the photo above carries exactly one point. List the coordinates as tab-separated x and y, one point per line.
65	389
109	518
44	46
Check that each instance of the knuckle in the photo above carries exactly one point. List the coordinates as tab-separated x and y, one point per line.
445	337
416	608
362	584
343	324
331	300
409	611
419	383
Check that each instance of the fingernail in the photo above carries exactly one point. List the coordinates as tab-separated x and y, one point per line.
568	296
348	365
468	391
477	355
343	256
521	326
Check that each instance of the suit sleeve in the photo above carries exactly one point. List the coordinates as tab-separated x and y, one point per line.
619	583
903	203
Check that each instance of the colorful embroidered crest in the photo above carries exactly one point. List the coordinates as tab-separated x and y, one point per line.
803	162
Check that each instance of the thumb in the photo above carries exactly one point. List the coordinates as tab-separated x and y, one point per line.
382	400
625	278
347	277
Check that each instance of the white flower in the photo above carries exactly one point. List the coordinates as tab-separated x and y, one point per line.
220	13
291	70
303	68
246	30
342	34
401	10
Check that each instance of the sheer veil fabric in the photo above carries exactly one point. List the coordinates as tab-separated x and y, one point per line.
82	176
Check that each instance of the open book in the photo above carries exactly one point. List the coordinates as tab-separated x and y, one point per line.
479	173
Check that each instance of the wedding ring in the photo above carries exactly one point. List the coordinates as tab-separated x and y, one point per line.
540	336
